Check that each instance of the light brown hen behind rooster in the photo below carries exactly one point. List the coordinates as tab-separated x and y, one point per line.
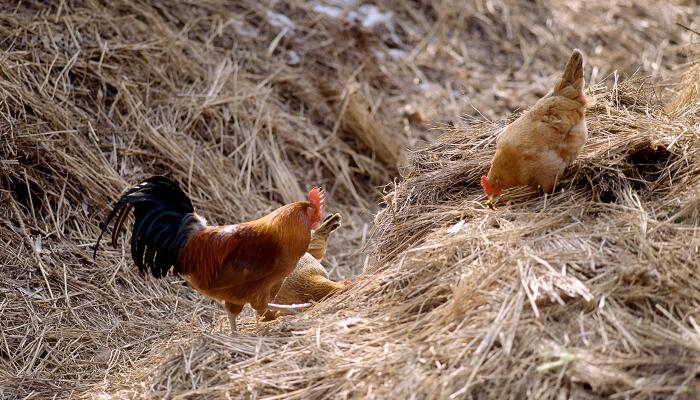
309	281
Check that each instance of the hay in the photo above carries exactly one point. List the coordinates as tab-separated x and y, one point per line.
590	292
601	277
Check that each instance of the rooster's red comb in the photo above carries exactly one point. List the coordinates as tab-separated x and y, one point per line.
316	197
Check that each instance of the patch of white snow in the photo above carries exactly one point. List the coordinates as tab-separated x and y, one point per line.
279	20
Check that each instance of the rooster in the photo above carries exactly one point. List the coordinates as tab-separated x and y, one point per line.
536	148
235	264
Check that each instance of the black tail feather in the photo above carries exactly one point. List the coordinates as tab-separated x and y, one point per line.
162	213
119	223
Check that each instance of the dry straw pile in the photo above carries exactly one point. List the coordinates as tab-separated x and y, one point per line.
593	291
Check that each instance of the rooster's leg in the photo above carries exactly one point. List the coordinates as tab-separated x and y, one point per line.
232	321
233	310
260	304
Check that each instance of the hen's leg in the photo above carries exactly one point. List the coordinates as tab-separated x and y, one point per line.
269	315
233	310
551	168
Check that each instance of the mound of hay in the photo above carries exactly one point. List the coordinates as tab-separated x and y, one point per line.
587	292
590	292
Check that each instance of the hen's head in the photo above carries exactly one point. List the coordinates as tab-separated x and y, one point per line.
492	189
315	212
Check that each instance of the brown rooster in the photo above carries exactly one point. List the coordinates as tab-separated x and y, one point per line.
236	264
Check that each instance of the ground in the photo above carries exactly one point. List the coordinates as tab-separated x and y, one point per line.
393	108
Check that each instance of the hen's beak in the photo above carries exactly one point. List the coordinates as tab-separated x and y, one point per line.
491	201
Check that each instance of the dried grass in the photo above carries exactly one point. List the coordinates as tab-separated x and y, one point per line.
590	292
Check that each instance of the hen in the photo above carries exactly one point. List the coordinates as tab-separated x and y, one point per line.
309	281
235	264
536	148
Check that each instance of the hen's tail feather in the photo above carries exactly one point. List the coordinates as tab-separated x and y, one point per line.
164	218
329	224
571	82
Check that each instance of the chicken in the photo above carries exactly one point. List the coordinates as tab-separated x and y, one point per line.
235	264
319	237
537	147
309	281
